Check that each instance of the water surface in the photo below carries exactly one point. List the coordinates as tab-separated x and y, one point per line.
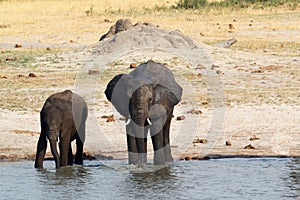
232	178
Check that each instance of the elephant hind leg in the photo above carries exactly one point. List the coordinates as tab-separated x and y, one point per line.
79	151
70	155
41	150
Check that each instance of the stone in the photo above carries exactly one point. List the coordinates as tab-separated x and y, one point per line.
249	146
93	72
18	45
32	75
132	65
194	111
254	138
181	117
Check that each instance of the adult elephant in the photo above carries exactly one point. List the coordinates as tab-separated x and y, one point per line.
146	98
62	117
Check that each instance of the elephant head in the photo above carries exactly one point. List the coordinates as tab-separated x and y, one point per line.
146	97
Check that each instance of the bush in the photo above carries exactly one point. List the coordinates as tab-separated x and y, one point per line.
196	4
188	4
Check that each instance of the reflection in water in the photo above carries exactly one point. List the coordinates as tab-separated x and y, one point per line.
63	180
158	182
293	178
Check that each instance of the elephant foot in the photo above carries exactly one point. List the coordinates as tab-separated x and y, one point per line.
159	157
78	160
38	165
137	158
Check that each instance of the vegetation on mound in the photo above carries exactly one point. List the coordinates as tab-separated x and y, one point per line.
236	4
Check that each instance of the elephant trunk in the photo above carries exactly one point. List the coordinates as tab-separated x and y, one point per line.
139	119
53	137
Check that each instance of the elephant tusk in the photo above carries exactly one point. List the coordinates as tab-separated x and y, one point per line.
149	122
127	122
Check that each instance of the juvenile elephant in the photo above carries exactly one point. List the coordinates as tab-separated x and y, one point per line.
62	117
146	98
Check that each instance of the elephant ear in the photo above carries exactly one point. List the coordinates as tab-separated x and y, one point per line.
117	92
111	85
169	95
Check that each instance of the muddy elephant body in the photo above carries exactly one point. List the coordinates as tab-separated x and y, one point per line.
62	118
146	98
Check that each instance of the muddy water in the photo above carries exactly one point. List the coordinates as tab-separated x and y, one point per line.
233	178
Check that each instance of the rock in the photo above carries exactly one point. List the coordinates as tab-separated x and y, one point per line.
93	72
187	158
230	26
204	103
257	71
3	77
124	25
4	25
149	24
179	118
88	155
109	118
32	75
201	141
48	48
228	143
226	43
215	67
200	66
219	72
254	138
249	146
119	26
193	111
11	59
122	118
21	76
132	65
72	41
18	45
271	68
107	21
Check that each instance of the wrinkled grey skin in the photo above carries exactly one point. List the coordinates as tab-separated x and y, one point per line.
62	117
149	91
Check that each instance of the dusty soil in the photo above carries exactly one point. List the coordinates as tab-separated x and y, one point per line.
254	110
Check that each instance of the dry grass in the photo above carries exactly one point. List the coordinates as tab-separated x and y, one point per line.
84	22
272	30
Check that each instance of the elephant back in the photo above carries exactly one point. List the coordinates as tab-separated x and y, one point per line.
156	73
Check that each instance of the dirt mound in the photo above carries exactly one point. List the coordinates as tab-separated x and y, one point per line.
124	36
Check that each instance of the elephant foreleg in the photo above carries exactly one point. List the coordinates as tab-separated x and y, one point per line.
64	151
157	142
141	143
131	146
166	138
159	154
41	150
